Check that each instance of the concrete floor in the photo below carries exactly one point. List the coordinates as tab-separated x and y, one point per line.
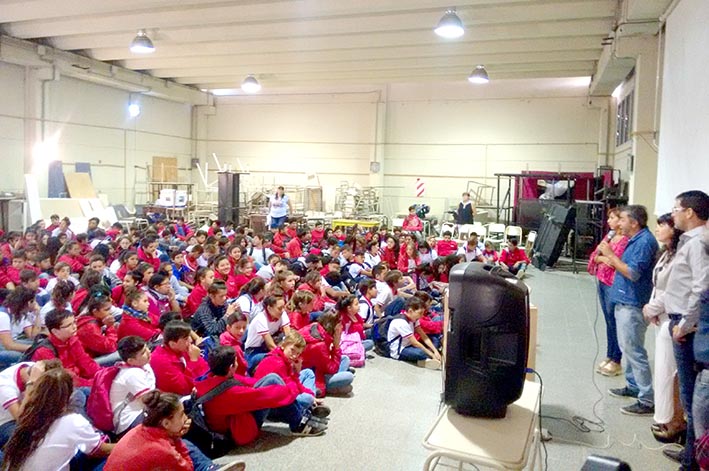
394	404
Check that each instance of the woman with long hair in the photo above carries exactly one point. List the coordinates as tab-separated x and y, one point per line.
606	273
279	206
157	443
48	435
669	421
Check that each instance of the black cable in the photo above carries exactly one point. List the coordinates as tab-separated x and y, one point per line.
541	439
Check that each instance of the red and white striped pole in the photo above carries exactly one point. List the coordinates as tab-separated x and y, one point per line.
420	188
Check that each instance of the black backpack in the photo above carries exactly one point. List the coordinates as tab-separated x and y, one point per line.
40	341
380	331
211	443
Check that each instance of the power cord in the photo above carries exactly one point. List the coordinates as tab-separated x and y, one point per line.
539	410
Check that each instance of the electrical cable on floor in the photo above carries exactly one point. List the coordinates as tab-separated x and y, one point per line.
541	439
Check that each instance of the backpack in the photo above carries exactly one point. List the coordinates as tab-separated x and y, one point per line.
351	345
211	443
98	404
380	331
40	341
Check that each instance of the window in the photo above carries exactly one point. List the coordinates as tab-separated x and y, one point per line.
624	120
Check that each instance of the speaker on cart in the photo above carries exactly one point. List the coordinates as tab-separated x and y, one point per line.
555	227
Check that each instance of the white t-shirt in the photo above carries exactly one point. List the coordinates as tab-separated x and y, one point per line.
372	260
279	206
9	390
261	325
400	327
53	282
259	256
49	306
355	269
366	311
134	381
384	294
15	329
266	272
67	435
248	306
473	254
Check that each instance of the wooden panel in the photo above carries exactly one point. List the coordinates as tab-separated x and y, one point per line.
532	351
164	169
80	185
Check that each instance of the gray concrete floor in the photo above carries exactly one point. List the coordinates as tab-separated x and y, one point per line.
394	404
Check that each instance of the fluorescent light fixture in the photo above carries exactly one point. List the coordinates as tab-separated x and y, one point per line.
142	44
133	110
225	91
479	75
250	85
450	25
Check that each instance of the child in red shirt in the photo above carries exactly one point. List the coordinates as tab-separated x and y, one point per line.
299	308
235	329
446	246
136	320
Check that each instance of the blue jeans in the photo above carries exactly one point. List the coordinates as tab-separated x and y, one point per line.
368	344
521	266
631	334
684	355
612	348
275	222
342	378
290	414
411	353
307	379
8	357
700	404
254	355
6	430
199	459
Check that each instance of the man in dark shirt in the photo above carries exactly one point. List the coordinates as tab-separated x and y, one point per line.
631	290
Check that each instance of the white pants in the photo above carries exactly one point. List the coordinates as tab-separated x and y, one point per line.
665	371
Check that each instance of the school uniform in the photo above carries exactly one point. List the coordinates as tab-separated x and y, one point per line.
446	247
400	333
134	381
174	371
145	448
74	358
96	338
229	340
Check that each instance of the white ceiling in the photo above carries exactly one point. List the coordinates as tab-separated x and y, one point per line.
213	44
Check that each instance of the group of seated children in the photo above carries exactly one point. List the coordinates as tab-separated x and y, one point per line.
265	326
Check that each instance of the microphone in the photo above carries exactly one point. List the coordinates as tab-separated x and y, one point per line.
611	234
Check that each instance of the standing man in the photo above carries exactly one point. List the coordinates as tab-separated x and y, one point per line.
686	285
631	290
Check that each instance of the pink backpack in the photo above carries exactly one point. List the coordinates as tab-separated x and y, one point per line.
98	404
351	345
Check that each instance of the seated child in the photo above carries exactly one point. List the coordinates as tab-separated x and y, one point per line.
252	295
177	362
235	329
402	342
299	308
136	320
134	379
65	345
96	330
211	316
446	246
263	327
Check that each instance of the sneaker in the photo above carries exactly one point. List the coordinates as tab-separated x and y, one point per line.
601	365
623	392
352	370
674	454
310	429
430	364
320	411
638	409
233	466
611	369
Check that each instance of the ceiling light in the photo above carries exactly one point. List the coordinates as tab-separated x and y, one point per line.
479	75
450	25
250	85
142	44
133	110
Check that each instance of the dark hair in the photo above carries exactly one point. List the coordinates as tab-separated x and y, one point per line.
216	287
365	285
697	201
27	275
97	258
393	277
62	293
415	304
156	280
344	303
253	286
235	317
159	406
127	254
200	274
676	233
55	317
637	213
46	402
90	278
143	267
423	296
175	330
271	300
18	301
333	278
378	269
95	302
447	233
221	359
129	347
147	240
313	277
133	295
168	317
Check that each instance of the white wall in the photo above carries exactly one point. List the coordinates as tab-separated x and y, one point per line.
447	134
91	124
683	162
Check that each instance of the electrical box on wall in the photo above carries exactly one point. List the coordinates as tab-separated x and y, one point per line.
375	167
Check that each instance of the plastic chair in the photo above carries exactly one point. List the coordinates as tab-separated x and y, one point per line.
513	231
496	234
480	230
464	231
531	237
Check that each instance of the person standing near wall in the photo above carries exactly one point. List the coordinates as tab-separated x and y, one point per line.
279	206
685	287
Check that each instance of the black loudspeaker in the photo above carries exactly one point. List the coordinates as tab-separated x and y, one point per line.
556	224
486	340
604	463
228	198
